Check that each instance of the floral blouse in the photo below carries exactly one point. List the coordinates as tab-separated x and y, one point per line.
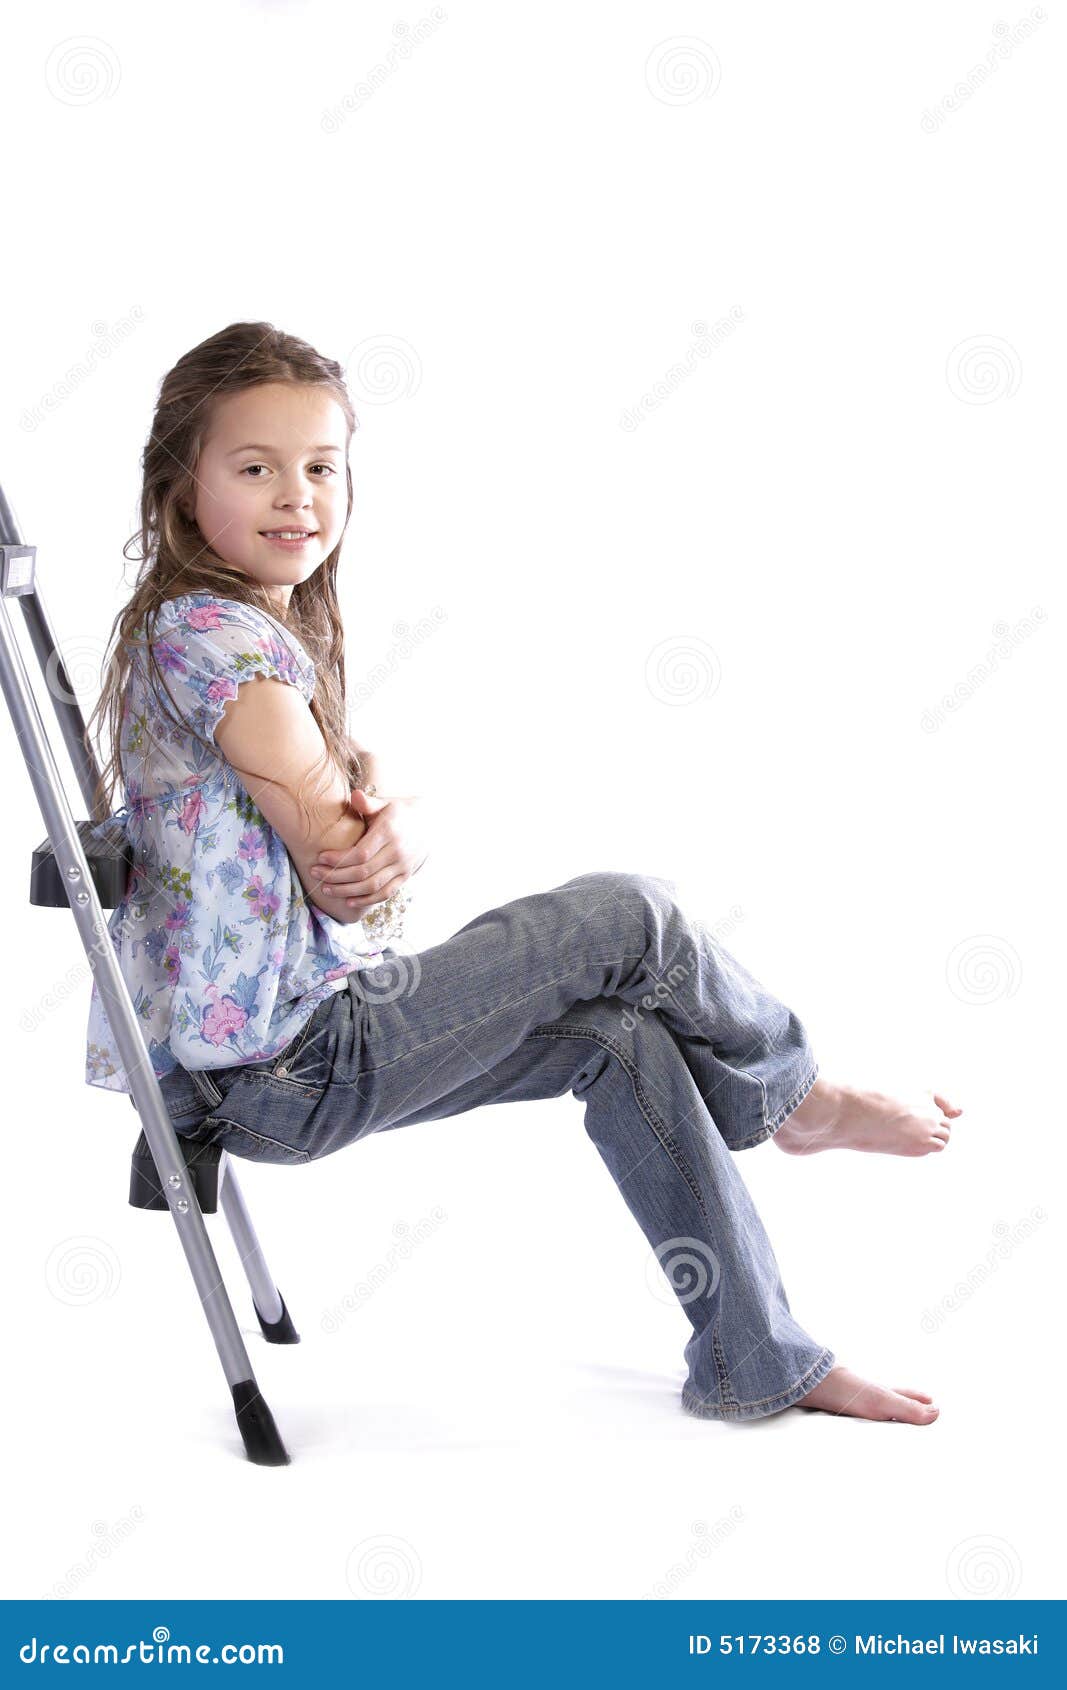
224	956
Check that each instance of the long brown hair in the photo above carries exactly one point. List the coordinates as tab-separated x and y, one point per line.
174	558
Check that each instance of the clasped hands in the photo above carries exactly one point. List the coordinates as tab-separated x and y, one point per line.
391	850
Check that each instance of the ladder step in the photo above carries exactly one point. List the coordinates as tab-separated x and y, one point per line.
107	851
201	1162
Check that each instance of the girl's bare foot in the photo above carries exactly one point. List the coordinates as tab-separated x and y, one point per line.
841	1117
844	1392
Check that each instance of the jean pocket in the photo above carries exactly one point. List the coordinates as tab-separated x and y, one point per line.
307	1064
261	1122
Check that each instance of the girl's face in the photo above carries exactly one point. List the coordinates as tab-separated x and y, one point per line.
273	460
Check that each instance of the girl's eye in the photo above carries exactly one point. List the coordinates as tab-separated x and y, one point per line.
247	467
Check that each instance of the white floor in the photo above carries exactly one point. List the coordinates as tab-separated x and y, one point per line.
494	1412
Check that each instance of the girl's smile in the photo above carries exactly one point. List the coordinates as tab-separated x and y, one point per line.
289	542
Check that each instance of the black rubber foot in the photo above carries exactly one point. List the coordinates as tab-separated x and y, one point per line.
280	1331
256	1425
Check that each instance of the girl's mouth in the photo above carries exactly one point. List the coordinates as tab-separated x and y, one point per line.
290	538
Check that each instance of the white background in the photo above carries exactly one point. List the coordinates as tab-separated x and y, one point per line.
715	645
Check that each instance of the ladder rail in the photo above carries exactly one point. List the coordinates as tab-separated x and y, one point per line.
68	710
125	1030
89	918
64	700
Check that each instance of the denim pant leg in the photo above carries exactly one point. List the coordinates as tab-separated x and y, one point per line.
425	1023
748	1357
697	1058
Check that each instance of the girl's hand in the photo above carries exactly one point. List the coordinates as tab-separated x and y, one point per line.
394	846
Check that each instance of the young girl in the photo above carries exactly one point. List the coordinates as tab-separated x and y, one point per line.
268	879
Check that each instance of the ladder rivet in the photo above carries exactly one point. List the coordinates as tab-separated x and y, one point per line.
81	897
182	1205
175	1180
74	872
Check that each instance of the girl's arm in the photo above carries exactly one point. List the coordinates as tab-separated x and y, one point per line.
396	847
372	777
268	726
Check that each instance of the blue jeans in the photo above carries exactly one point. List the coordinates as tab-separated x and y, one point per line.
606	988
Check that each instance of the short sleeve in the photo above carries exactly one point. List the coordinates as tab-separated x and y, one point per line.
205	647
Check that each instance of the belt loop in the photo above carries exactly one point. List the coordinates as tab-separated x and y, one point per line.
207	1088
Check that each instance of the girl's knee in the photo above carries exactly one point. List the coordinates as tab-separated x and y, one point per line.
648	888
622	910
648	891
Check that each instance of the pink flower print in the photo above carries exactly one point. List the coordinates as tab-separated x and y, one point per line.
204	616
172	962
170	656
251	845
192	810
222	1020
260	901
278	654
178	918
223	688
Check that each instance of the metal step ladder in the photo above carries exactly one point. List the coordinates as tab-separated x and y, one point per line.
84	866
